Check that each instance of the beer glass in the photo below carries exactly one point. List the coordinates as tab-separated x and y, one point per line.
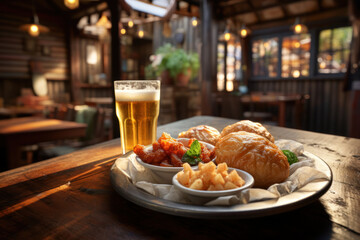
137	109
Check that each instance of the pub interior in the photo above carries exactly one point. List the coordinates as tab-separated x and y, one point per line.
237	58
291	65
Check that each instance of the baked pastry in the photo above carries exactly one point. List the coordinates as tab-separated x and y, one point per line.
254	154
247	126
202	133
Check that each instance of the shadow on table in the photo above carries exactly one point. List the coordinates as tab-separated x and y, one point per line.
309	222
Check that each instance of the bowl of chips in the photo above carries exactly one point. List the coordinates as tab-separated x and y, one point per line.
162	170
211	181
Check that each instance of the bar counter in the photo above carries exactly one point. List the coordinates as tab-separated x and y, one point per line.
71	197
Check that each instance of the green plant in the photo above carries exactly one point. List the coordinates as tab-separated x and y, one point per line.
174	60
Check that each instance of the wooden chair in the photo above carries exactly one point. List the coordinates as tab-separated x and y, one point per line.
95	132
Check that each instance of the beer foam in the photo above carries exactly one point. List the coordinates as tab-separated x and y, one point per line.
137	95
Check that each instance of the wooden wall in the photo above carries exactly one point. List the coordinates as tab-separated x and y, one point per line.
17	49
327	110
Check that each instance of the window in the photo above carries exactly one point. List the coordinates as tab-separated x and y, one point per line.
265	57
295	56
334	51
229	53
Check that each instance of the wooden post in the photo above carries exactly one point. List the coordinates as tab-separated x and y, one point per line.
208	56
74	60
115	11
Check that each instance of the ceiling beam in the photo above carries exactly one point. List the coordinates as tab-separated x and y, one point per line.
234	13
255	10
310	17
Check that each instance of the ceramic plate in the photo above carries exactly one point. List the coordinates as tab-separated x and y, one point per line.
297	199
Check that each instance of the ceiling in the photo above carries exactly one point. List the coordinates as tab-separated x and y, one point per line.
259	12
253	13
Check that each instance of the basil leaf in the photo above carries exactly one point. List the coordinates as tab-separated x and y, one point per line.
291	157
192	156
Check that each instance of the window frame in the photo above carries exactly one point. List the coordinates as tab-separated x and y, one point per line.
316	71
314	51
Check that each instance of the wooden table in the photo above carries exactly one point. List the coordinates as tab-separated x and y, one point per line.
99	101
278	100
21	111
17	132
71	197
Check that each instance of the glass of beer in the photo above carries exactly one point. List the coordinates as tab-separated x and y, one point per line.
137	109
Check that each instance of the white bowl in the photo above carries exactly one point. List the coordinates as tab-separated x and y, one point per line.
249	182
165	174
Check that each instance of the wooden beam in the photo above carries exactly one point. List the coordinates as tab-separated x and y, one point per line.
255	10
115	11
310	17
234	13
208	56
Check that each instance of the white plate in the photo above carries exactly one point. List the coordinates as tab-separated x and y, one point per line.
295	200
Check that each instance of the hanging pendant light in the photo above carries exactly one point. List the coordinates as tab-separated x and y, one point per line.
71	4
194	21
34	28
244	31
298	27
141	32
104	21
227	35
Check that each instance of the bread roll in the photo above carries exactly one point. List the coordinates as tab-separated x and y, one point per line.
254	154
203	133
247	126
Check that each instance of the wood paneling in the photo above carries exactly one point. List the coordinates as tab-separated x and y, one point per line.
17	49
328	108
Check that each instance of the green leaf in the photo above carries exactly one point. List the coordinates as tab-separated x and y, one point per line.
291	157
192	156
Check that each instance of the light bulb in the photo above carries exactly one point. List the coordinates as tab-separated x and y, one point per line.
141	33
130	24
296	74
227	36
194	21
243	33
298	28
34	30
72	4
123	31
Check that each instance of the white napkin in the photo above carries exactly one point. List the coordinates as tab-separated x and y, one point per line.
301	173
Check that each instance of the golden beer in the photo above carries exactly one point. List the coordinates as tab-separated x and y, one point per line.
137	111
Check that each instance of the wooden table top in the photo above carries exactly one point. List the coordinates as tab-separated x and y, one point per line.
18	132
21	110
71	197
35	125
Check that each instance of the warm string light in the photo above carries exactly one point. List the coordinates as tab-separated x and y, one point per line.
123	31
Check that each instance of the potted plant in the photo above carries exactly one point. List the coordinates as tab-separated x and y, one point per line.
173	65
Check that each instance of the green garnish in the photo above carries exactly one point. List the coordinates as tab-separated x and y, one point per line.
291	157
192	156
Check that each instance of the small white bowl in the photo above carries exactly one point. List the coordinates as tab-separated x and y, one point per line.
249	182
165	174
